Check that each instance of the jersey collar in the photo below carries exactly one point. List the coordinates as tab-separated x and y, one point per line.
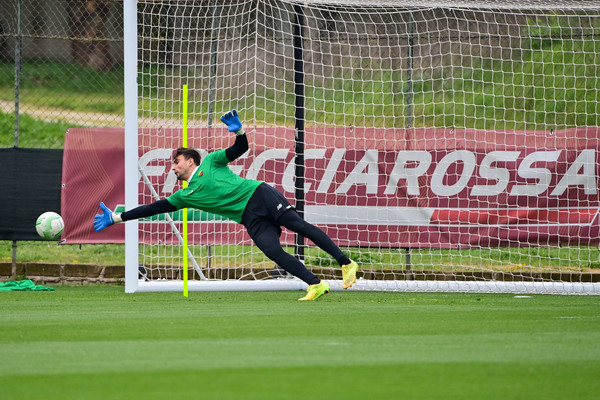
193	174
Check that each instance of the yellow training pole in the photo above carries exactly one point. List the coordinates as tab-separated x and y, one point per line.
185	214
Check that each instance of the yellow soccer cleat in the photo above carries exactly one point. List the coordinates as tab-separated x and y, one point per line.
349	274
315	291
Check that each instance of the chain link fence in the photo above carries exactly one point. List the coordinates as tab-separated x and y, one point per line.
61	61
61	66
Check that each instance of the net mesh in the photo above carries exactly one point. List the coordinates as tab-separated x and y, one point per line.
454	141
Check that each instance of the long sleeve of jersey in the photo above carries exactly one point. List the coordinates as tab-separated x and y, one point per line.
158	207
238	148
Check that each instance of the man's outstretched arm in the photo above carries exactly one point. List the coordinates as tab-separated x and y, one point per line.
108	217
234	125
239	147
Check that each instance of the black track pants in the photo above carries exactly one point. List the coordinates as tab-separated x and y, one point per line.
267	240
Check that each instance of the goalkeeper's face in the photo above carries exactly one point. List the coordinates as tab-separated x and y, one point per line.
183	167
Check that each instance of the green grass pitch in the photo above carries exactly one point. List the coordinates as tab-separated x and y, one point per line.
96	342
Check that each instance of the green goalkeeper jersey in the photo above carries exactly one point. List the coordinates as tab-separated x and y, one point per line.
214	188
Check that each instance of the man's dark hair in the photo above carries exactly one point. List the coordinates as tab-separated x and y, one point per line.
187	154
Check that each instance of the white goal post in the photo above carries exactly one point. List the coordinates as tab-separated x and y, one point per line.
444	145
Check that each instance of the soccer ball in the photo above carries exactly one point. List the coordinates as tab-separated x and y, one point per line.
49	225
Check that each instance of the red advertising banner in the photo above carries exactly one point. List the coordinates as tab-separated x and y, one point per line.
368	187
93	171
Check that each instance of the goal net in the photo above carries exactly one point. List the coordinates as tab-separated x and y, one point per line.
444	145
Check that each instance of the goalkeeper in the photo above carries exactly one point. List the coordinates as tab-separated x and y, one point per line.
262	209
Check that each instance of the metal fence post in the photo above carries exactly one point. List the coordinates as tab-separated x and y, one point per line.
18	56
